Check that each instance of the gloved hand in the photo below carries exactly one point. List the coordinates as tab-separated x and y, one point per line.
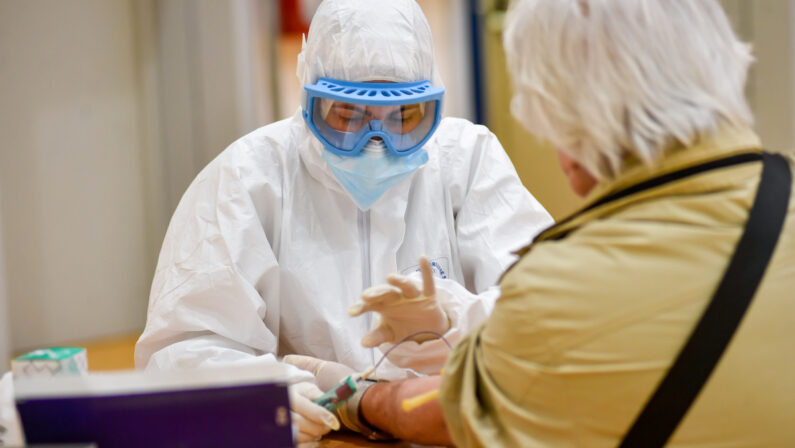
403	309
10	428
310	421
327	373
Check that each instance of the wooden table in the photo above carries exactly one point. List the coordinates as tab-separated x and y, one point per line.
347	439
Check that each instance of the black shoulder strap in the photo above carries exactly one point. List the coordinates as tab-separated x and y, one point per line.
658	181
694	364
726	162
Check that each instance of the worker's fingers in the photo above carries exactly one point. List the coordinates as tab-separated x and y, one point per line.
306	389
301	396
378	336
375	298
357	309
404	283
381	293
428	288
309	363
327	373
307	429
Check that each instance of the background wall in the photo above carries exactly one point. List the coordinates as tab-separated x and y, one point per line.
5	331
108	111
71	170
449	21
770	27
205	69
535	161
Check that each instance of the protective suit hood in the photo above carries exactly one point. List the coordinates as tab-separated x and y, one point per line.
362	40
366	40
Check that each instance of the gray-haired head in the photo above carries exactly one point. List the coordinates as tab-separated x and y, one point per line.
604	79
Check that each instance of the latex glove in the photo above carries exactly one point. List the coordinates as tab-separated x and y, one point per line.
403	309
10	428
310	421
327	373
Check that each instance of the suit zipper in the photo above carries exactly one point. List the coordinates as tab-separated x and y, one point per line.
364	245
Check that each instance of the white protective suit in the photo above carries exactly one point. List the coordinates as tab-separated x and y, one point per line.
266	251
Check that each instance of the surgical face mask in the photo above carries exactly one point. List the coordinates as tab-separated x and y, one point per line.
369	175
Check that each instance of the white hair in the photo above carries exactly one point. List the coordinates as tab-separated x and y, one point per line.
605	79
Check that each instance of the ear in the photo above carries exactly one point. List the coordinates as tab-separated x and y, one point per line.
580	179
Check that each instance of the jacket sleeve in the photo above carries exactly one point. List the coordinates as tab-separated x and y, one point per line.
495	215
214	297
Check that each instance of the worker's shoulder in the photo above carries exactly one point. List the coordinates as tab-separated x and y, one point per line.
262	156
273	137
267	146
455	129
458	142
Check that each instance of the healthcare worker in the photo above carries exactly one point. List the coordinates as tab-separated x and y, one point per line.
279	235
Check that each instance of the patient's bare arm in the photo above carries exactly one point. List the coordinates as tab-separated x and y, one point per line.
381	408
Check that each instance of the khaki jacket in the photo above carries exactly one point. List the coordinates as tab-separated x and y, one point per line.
588	325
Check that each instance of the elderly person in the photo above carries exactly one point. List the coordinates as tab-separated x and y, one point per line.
280	234
644	101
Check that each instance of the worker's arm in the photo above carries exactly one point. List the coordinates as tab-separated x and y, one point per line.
381	408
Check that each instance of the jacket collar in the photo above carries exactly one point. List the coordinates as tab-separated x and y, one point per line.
724	143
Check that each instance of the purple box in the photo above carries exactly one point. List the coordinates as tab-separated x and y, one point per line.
234	416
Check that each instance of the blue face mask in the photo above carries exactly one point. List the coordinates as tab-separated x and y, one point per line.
369	175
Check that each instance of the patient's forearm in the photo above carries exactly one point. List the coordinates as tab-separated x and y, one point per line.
381	407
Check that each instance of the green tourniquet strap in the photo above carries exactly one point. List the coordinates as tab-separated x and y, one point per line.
349	415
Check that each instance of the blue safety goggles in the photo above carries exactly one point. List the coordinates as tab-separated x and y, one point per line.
346	115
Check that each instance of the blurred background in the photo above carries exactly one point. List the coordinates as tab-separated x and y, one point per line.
109	108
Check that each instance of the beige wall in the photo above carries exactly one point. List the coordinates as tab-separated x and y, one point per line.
535	162
109	110
71	170
770	27
773	82
5	331
449	24
209	83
